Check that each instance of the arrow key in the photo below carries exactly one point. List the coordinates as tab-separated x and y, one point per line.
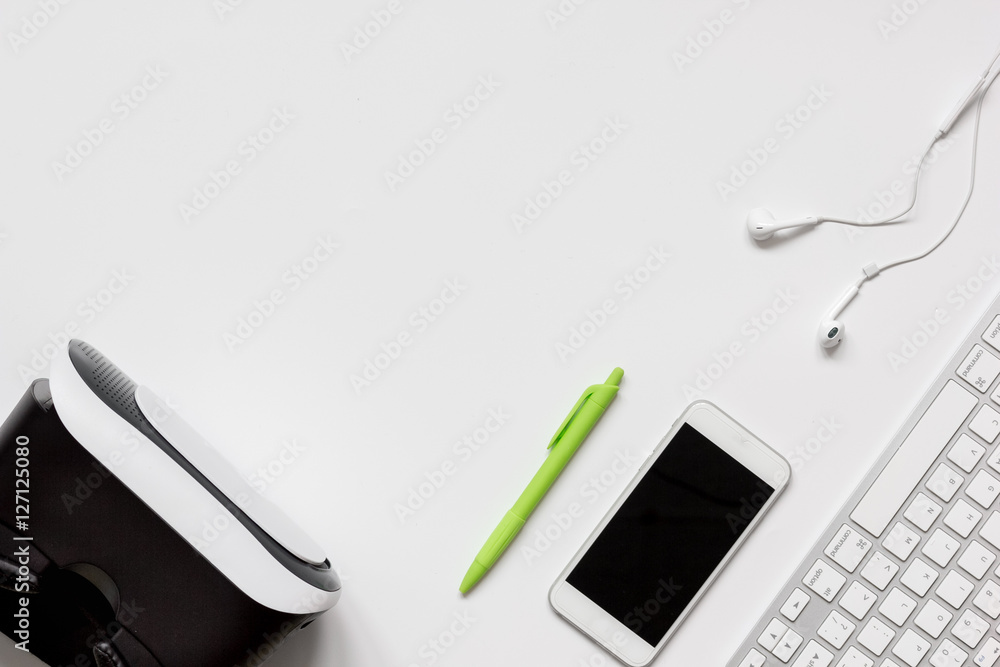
787	646
814	655
754	659
794	605
774	631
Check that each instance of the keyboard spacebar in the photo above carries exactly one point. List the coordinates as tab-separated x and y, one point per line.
918	451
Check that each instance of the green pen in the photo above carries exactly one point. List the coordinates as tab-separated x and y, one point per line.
564	444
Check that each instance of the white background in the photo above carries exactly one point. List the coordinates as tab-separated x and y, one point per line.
688	125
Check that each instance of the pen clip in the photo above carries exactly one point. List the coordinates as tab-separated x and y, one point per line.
572	413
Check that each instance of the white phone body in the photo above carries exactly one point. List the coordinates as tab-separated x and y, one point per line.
618	587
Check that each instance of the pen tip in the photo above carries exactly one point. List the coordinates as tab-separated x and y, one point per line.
472	577
615	377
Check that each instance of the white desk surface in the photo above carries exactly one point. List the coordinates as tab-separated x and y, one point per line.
169	284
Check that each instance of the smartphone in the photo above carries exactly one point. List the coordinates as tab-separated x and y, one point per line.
691	505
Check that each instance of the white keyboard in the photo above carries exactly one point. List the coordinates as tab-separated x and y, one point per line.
908	572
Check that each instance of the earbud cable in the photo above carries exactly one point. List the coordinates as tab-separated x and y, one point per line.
873	270
920	163
895	218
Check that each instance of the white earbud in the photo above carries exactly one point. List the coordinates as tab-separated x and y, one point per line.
762	225
831	330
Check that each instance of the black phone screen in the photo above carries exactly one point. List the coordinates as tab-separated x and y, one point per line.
670	534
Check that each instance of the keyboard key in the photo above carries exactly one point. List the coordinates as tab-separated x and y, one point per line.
922	512
787	646
919	577
941	548
976	559
966	453
970	629
986	424
901	541
984	488
911	648
858	600
948	654
944	482
979	369
897	606
794	605
773	633
847	548
836	629
963	518
876	635
914	456
988	655
991	529
954	589
879	570
814	655
992	336
754	659
824	580
855	658
988	599
933	619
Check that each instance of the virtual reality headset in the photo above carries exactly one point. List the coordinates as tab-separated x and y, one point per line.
127	540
